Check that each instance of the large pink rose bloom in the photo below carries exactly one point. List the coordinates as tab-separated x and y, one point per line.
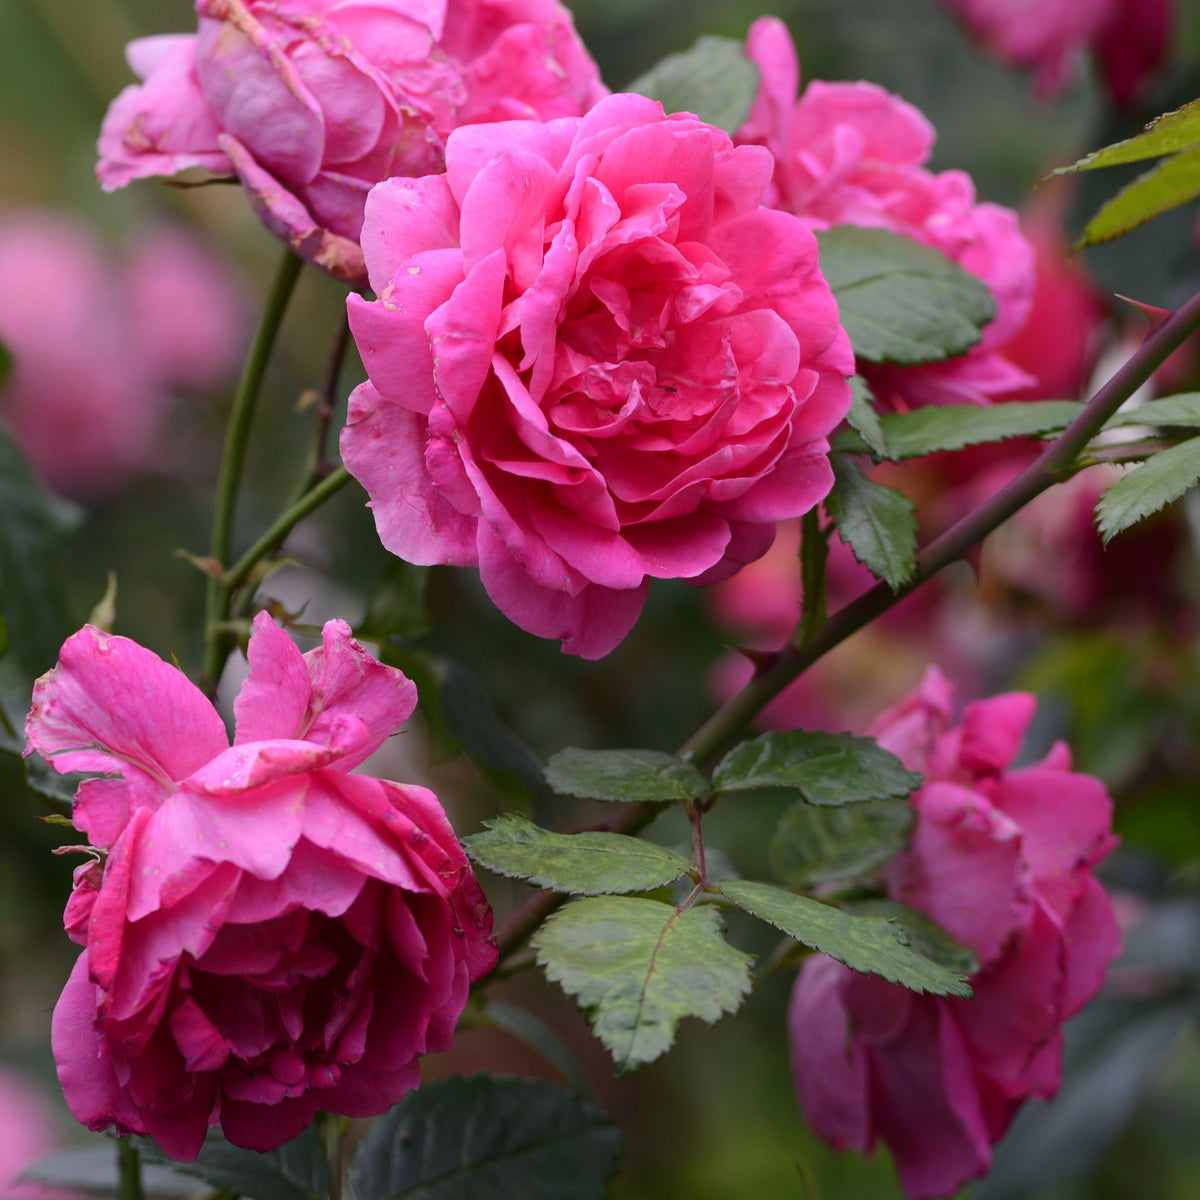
594	360
1002	859
98	345
853	154
265	934
311	102
1129	36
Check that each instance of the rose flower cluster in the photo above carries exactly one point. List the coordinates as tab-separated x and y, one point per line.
264	934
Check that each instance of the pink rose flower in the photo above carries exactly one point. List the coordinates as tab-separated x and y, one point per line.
1130	37
264	933
1002	859
853	154
98	344
594	360
311	102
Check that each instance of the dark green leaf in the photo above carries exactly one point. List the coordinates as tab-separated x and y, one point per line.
867	944
1167	185
93	1169
1148	487
579	863
473	721
863	419
876	522
1168	134
901	302
5	363
624	775
298	1170
714	79
953	426
925	936
639	967
825	768
488	1138
398	607
31	530
521	1024
816	845
1182	410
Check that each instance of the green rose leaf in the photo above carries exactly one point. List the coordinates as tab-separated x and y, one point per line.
1143	491
953	426
298	1170
488	1138
924	935
624	775
863	418
713	79
901	302
586	864
31	532
825	768
869	944
1175	138
817	845
1182	410
876	522
638	967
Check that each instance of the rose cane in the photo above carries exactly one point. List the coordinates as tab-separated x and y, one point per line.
264	933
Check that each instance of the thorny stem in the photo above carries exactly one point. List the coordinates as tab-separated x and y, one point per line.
237	440
318	462
814	551
730	721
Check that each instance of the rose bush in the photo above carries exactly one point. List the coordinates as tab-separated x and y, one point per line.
311	102
594	360
853	154
1002	859
263	933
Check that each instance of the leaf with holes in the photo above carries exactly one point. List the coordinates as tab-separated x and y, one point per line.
638	967
624	775
868	944
878	523
1147	488
825	768
713	79
901	302
488	1138
584	864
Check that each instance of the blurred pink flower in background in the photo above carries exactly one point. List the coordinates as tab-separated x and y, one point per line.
1130	38
98	344
853	154
594	360
263	933
1002	859
312	102
27	1132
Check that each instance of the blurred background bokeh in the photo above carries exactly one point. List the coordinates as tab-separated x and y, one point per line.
117	291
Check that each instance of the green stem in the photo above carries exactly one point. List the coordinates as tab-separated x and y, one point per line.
284	523
237	440
814	550
129	1170
731	721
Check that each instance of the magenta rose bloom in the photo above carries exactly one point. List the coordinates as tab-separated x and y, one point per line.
594	360
853	154
1002	859
264	934
311	102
